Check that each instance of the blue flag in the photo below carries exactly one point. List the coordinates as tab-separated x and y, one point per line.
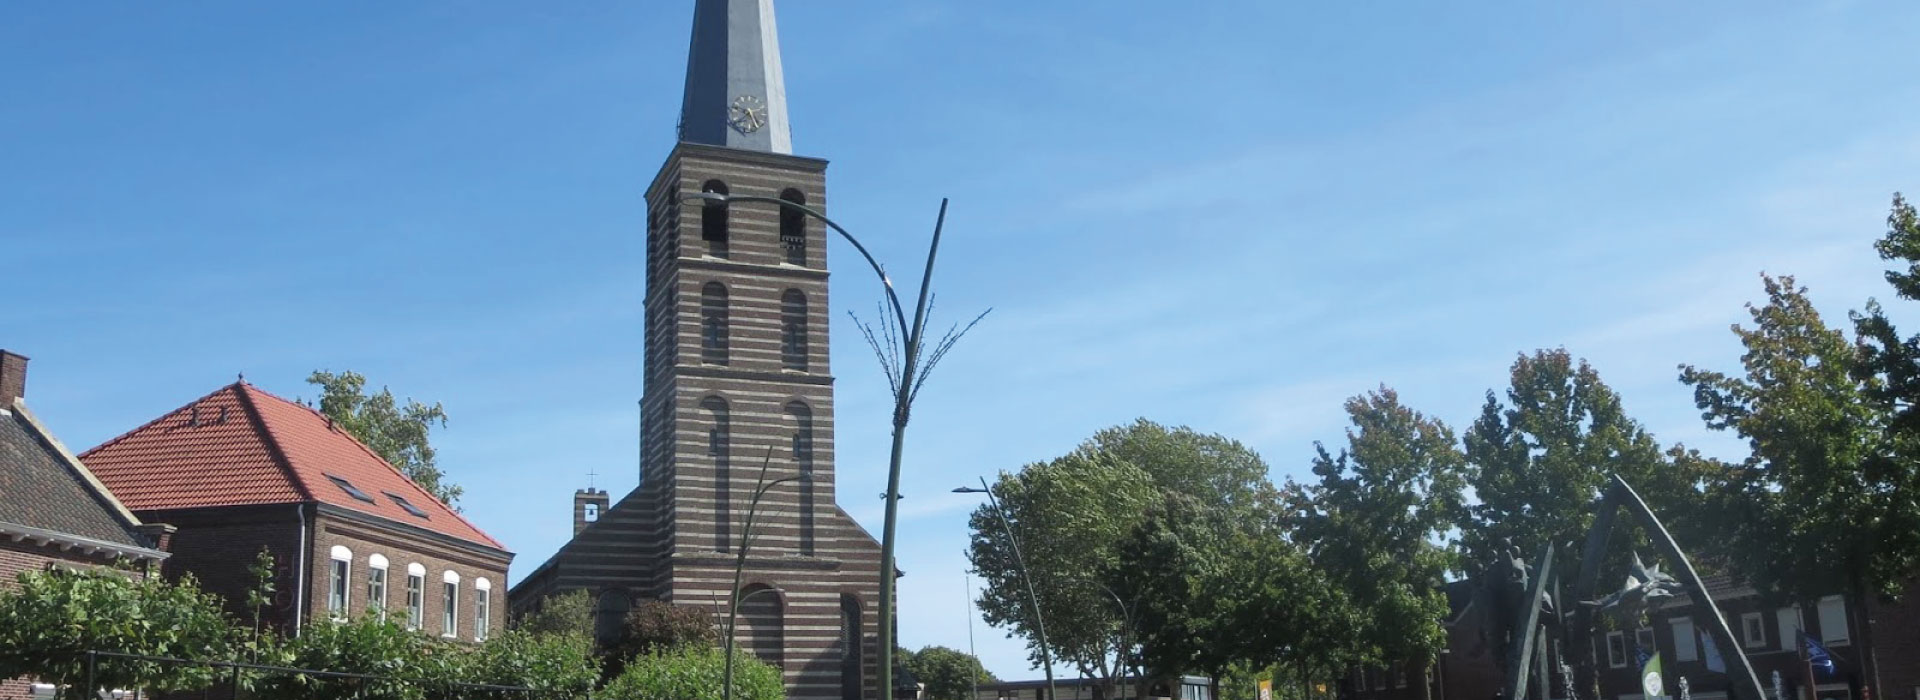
1817	655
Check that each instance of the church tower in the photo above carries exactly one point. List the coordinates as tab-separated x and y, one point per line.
735	375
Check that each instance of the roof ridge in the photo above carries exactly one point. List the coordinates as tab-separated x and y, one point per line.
417	488
270	439
163	416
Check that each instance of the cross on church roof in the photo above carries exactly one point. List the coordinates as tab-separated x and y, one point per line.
736	95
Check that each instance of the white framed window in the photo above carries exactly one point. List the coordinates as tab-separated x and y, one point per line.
1686	647
1788	621
1643	638
1616	649
1833	620
377	585
450	604
416	596
482	608
1753	630
340	569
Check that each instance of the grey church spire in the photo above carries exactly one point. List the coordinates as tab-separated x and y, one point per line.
736	95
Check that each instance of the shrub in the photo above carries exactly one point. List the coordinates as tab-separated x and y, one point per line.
49	623
559	665
654	626
693	672
366	645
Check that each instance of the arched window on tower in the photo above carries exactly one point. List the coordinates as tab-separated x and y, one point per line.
718	435
713	220
851	677
713	323
793	228
793	330
799	421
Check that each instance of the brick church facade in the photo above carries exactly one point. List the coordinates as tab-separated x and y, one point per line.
736	376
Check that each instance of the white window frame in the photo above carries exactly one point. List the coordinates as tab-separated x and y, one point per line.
416	596
1616	641
450	600
1750	623
1652	642
1790	626
1838	607
377	566
482	608
1686	643
339	582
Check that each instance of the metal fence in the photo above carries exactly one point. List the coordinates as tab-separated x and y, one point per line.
347	685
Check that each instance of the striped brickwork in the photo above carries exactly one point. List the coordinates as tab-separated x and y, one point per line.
712	418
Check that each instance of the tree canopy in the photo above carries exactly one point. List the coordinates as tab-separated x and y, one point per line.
948	674
396	432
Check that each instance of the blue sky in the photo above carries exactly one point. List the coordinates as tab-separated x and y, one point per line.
1230	215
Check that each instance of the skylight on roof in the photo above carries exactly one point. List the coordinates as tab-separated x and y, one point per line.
404	505
348	487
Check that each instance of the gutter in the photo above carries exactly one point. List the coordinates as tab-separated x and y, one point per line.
300	574
85	545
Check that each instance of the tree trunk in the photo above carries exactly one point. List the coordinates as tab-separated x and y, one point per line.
1425	668
1869	655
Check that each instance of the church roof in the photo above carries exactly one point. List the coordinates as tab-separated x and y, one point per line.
242	446
736	95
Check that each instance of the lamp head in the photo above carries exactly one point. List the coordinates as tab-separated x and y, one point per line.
969	489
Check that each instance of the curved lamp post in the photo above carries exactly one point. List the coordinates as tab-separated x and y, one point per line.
1033	599
906	373
740	564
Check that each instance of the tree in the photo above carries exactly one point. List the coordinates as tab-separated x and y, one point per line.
1538	463
561	613
1068	515
948	674
693	672
656	625
1211	468
1825	497
50	622
1374	522
397	433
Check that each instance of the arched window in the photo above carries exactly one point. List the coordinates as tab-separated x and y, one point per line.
793	330
449	604
713	323
799	421
763	624
718	435
416	595
793	228
377	585
610	615
482	609
337	586
851	678
713	220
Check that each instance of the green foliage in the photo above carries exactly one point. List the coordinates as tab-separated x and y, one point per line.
559	665
397	433
1214	469
1539	462
1374	522
49	623
365	644
656	625
948	674
1068	515
1824	502
693	672
562	613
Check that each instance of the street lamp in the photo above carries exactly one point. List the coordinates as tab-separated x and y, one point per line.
740	562
906	373
1033	599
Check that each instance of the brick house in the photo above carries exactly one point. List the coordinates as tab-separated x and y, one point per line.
53	513
239	470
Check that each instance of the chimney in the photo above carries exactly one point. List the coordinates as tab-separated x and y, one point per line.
13	377
588	505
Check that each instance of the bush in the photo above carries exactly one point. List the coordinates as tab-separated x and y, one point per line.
365	645
49	623
654	626
694	672
560	665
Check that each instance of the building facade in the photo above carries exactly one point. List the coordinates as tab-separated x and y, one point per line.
737	391
53	513
239	471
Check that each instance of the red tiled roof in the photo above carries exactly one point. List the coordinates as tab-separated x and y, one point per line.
243	446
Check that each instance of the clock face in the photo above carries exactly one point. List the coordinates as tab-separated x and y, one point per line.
748	114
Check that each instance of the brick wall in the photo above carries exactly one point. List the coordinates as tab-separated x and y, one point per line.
402	549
